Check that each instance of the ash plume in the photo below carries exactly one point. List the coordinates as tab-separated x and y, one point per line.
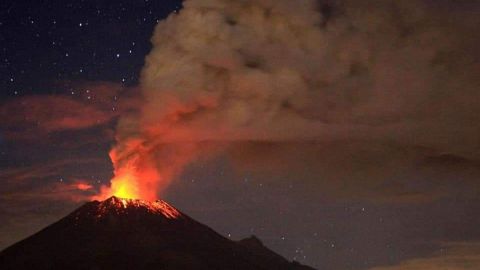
225	73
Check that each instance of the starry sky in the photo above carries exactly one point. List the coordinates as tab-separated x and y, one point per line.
392	184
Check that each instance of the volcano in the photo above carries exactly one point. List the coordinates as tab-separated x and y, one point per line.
134	234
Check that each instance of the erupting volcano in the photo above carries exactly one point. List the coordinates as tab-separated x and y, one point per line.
122	233
134	179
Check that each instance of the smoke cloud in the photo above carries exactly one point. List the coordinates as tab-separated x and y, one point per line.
455	256
223	74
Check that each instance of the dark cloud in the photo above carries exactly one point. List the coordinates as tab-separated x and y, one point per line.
377	85
452	256
45	179
361	170
85	106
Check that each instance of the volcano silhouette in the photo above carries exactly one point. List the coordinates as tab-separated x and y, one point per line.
134	234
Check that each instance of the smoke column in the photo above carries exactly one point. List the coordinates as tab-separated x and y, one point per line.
223	72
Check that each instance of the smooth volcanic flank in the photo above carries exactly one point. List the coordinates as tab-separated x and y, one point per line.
136	234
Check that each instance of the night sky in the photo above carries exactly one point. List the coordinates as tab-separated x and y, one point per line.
373	164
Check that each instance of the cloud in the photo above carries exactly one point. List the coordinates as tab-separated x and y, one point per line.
90	105
53	113
383	76
381	173
248	70
78	191
42	180
453	256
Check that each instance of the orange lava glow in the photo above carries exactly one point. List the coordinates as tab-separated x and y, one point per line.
129	183
122	205
124	185
83	186
143	169
134	179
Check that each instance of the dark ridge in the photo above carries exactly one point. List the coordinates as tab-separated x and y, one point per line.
134	234
251	241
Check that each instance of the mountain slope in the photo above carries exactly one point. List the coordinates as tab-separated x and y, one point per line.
134	234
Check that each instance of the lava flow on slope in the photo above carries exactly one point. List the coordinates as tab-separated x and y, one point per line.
122	205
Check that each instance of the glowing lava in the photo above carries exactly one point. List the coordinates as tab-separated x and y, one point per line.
134	178
123	205
124	185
